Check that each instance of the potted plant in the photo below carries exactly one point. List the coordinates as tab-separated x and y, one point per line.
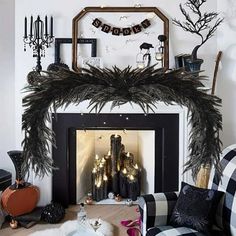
202	24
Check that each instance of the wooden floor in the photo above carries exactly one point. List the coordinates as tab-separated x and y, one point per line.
111	213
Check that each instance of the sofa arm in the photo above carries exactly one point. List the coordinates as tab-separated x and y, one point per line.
155	209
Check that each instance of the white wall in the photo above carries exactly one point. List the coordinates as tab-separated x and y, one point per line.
7	81
226	88
63	13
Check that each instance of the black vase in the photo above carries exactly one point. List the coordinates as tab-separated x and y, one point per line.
17	159
193	65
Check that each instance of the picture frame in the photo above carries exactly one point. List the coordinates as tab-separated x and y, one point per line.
60	41
117	10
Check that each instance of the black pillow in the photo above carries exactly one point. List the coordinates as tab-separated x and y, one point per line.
195	208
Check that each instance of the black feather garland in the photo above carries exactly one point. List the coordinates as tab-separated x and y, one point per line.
144	87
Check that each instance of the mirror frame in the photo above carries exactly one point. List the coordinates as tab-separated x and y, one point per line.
86	10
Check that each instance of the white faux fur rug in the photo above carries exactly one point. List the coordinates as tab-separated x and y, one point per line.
72	228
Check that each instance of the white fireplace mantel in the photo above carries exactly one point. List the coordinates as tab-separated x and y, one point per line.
45	184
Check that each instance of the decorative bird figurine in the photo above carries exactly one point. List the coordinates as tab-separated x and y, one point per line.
146	46
147	55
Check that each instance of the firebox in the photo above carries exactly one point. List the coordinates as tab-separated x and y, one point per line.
152	139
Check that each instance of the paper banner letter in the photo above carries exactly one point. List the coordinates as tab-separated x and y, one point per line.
116	31
137	29
106	28
146	23
126	31
97	23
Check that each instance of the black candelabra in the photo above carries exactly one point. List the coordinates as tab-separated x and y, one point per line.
39	38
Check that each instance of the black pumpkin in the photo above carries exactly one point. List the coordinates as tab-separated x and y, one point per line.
53	213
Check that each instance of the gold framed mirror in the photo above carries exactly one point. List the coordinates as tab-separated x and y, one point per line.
119	44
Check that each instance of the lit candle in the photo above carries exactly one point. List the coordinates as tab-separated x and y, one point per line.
115	159
109	153
105	191
96	157
123	183
133	188
136	166
25	36
128	154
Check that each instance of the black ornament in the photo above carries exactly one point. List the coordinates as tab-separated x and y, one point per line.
57	66
53	213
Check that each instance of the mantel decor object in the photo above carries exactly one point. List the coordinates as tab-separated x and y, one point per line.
144	87
119	31
39	37
21	197
199	25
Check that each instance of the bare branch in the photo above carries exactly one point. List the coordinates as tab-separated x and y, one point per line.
202	25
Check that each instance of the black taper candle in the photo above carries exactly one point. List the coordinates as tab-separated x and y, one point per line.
133	188
123	184
25	35
31	26
51	28
93	182
115	158
46	25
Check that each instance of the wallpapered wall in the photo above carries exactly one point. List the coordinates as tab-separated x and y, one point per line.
63	12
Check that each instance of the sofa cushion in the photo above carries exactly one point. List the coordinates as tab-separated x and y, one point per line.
195	208
172	231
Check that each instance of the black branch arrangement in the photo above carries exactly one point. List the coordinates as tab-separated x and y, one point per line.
144	87
202	24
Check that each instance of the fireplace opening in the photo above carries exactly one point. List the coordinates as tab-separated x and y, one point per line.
157	149
100	171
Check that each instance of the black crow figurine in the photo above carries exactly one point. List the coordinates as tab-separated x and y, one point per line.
146	46
147	55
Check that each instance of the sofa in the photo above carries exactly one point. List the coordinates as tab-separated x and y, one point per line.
156	209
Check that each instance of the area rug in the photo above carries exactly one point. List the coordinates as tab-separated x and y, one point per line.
72	228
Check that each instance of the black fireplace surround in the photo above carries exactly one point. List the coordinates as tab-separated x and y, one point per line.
166	127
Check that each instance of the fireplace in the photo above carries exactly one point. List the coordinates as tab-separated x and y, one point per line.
163	127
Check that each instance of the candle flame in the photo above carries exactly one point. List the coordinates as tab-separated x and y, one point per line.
128	154
124	171
131	177
109	153
103	160
101	165
99	183
116	135
94	171
136	166
96	157
105	178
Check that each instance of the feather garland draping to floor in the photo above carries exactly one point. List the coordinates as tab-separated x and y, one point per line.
144	87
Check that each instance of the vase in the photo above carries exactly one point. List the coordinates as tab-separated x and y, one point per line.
194	65
17	159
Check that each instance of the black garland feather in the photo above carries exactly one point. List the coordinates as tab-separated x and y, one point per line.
144	87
